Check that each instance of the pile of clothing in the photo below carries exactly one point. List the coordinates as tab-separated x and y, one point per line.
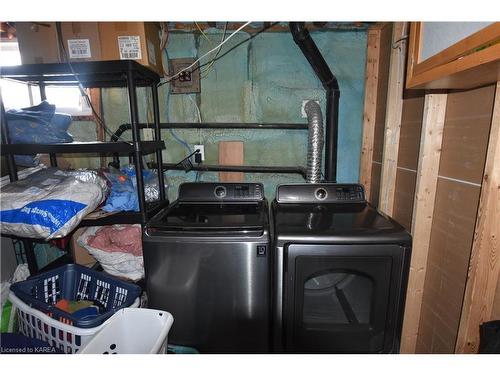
80	309
118	248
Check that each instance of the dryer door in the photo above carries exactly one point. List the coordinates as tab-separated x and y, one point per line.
340	298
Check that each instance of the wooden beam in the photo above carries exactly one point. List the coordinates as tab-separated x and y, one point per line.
423	209
95	98
484	266
393	119
370	109
268	26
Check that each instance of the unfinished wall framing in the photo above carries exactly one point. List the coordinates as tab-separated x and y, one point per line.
439	165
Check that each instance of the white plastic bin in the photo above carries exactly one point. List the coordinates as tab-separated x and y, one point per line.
35	324
132	331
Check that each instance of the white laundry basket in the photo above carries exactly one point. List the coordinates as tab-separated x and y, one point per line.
35	324
132	331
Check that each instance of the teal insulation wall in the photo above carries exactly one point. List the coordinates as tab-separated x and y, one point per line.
262	80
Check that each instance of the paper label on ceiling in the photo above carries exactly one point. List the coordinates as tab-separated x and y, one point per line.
151	52
79	49
130	47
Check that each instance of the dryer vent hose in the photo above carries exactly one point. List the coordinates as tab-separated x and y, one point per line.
315	141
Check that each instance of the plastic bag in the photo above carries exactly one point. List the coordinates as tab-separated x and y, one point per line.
123	195
39	124
121	264
8	319
50	203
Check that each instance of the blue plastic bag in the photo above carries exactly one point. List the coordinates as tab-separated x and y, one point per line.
123	195
39	124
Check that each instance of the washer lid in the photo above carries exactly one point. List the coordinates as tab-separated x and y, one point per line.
219	217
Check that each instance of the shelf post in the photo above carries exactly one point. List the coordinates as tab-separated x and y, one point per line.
29	250
136	136
41	86
159	158
11	165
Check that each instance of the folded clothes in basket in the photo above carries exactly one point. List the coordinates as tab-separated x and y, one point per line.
50	203
78	309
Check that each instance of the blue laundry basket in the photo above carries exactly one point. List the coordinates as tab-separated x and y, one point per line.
75	282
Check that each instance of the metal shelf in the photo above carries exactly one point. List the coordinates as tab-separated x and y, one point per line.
89	74
125	217
99	74
147	147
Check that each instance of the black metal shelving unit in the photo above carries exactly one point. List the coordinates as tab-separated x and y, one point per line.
99	74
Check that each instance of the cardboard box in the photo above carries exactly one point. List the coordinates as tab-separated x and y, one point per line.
80	254
91	41
138	41
37	42
81	41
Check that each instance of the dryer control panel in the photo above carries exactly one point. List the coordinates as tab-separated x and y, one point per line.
223	191
321	193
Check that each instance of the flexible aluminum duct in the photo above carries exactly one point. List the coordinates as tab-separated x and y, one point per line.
315	141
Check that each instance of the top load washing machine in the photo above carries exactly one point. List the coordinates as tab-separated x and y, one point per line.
206	259
341	271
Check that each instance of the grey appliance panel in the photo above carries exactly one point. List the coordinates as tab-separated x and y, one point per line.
320	193
220	192
284	301
217	289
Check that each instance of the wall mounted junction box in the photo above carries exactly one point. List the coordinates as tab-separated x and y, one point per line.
188	81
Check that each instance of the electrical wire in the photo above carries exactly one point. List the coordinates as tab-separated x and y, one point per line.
202	32
199	132
171	131
170	78
206	72
232	48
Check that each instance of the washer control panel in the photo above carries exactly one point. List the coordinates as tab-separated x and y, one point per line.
208	191
321	193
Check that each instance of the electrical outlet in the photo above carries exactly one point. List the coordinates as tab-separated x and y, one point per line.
187	81
202	151
303	108
148	134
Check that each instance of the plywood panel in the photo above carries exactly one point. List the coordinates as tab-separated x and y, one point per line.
449	251
403	199
411	126
468	119
484	267
231	153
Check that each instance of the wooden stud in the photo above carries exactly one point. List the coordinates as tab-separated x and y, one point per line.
95	98
370	109
393	119
484	267
423	209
